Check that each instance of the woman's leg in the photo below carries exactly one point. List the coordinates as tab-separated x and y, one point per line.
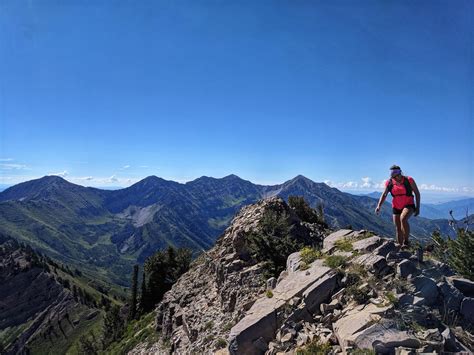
398	226
406	214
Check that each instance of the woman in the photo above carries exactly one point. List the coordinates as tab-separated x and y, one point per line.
403	204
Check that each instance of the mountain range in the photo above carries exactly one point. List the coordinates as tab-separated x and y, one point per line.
459	207
104	232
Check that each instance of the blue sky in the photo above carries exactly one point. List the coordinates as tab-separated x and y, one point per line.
108	92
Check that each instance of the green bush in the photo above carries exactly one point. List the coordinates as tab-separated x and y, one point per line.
335	261
314	348
220	343
457	253
269	293
308	255
358	295
272	243
343	245
303	209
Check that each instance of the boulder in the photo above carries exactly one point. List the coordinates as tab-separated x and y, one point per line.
372	262
331	239
355	320
367	244
386	247
451	295
320	291
262	321
293	262
384	338
464	285
467	308
406	268
426	288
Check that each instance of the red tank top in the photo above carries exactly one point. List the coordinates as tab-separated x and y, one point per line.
400	199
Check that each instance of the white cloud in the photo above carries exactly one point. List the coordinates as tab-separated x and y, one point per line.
6	159
113	178
125	167
144	166
62	174
367	183
328	182
12	166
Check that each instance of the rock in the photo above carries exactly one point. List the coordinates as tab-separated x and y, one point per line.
467	308
386	247
426	288
326	308
367	244
464	285
451	295
449	340
355	320
398	255
331	239
406	268
261	320
293	262
286	338
271	283
372	262
384	337
320	291
404	351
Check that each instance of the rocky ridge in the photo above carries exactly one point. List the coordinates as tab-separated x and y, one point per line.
37	311
359	292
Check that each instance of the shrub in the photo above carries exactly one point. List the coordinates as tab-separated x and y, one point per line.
308	255
303	209
343	244
391	297
269	293
335	261
220	343
358	295
272	243
457	253
208	325
315	347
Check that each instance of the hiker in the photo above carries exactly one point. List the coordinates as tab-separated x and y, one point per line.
403	205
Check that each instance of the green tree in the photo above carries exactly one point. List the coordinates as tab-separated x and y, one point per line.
163	269
461	251
88	344
113	326
303	209
133	299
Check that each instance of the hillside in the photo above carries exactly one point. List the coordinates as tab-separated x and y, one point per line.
45	307
338	292
105	231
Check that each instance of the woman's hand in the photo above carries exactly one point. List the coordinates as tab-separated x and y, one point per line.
377	210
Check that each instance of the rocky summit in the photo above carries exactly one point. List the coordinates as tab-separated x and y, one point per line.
339	292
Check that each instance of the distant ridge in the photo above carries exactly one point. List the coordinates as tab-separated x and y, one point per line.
106	231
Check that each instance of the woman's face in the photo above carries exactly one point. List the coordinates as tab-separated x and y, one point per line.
398	177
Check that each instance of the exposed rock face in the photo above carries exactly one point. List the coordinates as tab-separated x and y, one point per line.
313	285
373	300
224	283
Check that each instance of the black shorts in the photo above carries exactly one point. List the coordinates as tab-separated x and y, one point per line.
397	211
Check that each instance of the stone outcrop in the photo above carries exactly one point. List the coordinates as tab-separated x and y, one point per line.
226	286
378	297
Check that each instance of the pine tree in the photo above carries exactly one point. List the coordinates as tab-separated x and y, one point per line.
461	251
133	300
113	326
145	303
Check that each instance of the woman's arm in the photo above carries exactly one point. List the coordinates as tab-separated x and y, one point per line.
417	196
382	200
